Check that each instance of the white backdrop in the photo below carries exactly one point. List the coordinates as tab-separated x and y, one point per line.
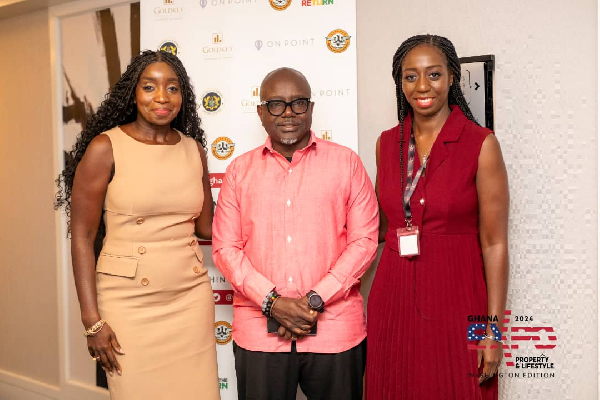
227	47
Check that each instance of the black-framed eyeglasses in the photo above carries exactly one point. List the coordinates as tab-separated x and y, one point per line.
278	107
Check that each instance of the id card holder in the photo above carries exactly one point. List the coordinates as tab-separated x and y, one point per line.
272	325
408	241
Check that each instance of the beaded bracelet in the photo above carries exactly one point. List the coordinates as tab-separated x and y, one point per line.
268	303
94	329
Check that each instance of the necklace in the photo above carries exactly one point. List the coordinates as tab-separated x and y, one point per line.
426	156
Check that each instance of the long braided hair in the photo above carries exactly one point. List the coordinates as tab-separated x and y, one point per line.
455	94
119	108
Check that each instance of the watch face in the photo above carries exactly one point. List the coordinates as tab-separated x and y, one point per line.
315	301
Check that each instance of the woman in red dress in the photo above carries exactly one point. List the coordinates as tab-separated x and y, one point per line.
443	191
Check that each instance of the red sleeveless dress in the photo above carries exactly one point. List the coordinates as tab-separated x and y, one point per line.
418	307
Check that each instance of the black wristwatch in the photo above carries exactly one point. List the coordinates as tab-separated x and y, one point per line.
315	302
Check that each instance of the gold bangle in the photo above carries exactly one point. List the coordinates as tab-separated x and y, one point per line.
94	329
272	305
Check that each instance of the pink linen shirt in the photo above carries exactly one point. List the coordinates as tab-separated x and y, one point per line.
306	225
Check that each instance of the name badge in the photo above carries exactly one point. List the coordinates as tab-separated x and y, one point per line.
408	241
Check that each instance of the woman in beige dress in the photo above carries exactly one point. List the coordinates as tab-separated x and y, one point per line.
138	176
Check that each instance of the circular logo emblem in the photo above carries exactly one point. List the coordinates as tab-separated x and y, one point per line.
338	40
280	5
170	47
211	102
222	148
222	332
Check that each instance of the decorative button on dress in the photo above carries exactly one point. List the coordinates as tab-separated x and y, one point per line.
419	307
153	287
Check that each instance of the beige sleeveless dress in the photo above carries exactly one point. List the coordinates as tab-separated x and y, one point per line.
153	288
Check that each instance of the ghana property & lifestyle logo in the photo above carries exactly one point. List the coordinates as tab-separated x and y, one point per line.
529	365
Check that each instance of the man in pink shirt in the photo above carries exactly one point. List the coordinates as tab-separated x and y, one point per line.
294	230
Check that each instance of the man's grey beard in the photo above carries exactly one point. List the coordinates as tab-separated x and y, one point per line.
288	142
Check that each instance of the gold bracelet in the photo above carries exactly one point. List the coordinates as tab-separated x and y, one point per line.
273	305
94	329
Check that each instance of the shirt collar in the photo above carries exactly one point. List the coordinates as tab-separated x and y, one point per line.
269	145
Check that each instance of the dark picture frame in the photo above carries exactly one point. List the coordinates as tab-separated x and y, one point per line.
478	74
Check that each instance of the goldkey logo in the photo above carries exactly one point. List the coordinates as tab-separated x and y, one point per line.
169	11
326	134
218	48
249	103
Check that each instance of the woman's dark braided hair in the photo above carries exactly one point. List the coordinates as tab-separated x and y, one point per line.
455	94
119	108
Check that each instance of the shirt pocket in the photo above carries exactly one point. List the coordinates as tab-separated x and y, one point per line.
125	266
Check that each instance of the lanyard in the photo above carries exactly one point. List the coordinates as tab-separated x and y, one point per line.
411	183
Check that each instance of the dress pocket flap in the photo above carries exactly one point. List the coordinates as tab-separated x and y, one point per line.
117	265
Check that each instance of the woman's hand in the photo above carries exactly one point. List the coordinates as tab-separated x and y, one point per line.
491	357
102	347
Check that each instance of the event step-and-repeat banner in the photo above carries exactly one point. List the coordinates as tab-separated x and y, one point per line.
227	47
